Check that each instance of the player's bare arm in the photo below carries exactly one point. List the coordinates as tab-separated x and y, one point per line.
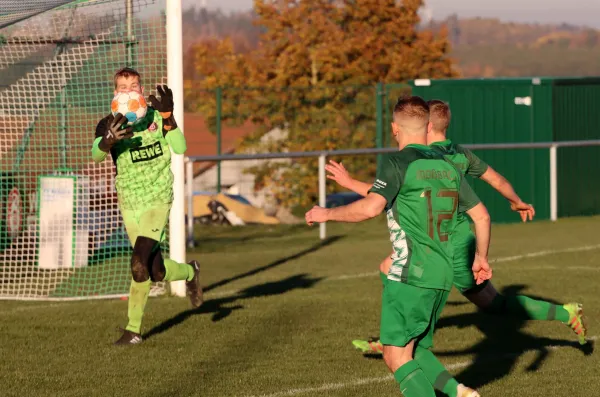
338	173
503	186
483	231
358	211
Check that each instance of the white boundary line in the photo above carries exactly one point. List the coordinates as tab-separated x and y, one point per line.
367	381
546	252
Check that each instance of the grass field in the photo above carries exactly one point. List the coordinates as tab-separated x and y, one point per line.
281	311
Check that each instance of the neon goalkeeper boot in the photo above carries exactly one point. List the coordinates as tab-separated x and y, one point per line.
373	345
128	338
194	289
464	391
576	320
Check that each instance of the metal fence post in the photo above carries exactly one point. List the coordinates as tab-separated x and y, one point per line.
322	193
189	177
219	95
553	184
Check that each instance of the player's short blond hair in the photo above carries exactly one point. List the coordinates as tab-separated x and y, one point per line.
127	72
439	115
412	112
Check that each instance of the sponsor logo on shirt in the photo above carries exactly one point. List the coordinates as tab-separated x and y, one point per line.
152	127
379	184
146	153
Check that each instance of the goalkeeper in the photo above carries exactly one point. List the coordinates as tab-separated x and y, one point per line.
144	183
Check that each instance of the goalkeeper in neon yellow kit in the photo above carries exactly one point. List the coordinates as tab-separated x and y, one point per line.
144	184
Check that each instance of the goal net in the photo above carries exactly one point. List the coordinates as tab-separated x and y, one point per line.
61	233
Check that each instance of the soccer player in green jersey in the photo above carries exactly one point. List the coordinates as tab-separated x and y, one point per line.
484	296
421	193
144	184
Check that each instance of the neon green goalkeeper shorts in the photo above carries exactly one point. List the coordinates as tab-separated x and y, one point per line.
148	222
409	312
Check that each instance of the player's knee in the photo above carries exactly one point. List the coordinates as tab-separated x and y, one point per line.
158	271
485	297
157	275
140	260
139	270
497	306
395	357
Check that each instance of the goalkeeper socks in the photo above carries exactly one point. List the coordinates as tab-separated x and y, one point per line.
412	380
138	296
524	307
175	271
383	278
435	372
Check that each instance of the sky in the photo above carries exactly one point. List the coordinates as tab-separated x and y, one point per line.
576	12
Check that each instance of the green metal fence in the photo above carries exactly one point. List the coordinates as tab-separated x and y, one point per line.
484	111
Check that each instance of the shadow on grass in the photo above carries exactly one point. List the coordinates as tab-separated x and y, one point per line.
278	262
504	343
221	308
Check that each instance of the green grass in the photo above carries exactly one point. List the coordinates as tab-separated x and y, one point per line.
280	315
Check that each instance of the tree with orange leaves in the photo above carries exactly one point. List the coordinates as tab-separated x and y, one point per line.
313	75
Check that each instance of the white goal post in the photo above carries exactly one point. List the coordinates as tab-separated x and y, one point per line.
175	82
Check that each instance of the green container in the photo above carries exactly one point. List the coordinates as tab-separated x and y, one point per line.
576	116
527	110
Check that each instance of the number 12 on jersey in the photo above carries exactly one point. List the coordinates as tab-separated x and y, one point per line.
439	215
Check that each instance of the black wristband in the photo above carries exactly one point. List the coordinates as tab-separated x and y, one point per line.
104	146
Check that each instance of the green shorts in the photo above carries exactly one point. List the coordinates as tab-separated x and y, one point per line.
149	222
464	255
409	312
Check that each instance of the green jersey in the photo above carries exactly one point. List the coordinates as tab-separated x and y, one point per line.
469	164
143	163
424	192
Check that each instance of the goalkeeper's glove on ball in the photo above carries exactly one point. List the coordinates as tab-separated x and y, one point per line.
113	132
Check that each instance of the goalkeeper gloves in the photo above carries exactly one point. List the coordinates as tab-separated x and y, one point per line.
113	133
165	107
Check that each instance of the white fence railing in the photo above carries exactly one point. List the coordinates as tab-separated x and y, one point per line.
322	155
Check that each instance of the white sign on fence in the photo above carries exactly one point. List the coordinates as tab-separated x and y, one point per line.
56	222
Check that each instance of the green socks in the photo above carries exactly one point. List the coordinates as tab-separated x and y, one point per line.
435	372
383	278
413	382
138	292
178	271
521	306
138	296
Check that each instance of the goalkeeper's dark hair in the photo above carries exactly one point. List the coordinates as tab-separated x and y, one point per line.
127	72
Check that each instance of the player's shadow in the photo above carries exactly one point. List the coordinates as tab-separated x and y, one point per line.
222	307
503	344
278	262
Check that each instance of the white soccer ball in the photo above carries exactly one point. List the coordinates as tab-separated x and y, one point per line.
130	104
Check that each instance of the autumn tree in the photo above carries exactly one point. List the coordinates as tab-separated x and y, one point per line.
314	76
